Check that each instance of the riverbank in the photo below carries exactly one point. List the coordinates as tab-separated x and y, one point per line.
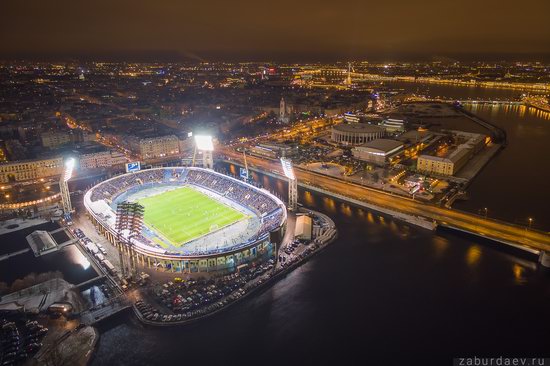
280	269
73	347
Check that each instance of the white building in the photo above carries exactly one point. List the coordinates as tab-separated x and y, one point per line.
159	147
356	133
304	226
393	125
101	159
30	169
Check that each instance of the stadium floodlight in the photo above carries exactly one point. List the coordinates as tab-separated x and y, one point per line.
292	184
69	167
63	186
287	168
204	143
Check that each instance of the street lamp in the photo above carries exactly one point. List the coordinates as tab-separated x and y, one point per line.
530	222
486	210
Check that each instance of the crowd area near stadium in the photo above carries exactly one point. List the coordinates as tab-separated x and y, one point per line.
101	202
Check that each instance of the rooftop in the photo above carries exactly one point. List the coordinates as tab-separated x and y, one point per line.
358	128
384	145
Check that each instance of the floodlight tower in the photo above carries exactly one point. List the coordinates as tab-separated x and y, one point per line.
292	184
205	145
129	218
64	187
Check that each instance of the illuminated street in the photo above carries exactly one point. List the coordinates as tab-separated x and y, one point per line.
290	183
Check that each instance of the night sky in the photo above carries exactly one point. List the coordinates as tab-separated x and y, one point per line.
279	30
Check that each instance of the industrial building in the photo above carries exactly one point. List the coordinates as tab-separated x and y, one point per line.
304	226
456	159
378	151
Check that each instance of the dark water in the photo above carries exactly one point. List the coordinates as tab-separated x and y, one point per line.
386	293
514	185
69	260
383	294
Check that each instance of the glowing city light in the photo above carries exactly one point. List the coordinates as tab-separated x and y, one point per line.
287	168
69	167
204	143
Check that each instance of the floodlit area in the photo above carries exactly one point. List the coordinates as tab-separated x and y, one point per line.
184	214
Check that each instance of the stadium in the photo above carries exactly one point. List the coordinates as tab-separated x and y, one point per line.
195	219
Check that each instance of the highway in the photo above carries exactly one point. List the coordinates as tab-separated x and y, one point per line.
497	230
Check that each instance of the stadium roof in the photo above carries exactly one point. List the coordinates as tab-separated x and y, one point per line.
358	128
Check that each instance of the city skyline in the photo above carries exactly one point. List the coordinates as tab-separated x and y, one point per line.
285	31
274	183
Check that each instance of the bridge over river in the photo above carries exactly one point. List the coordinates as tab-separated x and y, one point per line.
528	239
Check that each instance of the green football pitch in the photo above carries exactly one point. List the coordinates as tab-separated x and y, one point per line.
184	214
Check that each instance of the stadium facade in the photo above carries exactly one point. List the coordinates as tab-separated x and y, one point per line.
223	248
356	133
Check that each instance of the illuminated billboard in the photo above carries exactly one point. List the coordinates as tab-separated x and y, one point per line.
133	167
243	173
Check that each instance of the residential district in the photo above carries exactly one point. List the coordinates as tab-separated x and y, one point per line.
98	162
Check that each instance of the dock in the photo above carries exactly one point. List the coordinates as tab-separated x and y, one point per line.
9	255
106	310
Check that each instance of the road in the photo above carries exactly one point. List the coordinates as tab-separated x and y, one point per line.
486	227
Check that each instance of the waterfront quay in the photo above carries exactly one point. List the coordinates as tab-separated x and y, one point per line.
521	237
231	288
212	292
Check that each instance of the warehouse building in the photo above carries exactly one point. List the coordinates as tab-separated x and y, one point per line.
378	151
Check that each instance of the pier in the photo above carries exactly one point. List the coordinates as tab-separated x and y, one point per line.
106	310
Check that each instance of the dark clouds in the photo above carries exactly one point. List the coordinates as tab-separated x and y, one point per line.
275	29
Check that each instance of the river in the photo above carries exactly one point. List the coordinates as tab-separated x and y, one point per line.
386	293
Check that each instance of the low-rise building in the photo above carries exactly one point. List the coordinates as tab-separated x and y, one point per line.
54	139
304	226
449	165
59	138
275	150
393	125
471	143
23	170
159	147
378	151
101	159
